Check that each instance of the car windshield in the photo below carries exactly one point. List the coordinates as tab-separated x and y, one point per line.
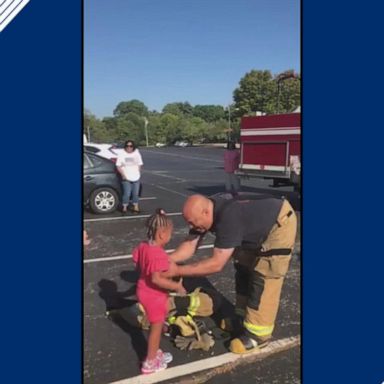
91	148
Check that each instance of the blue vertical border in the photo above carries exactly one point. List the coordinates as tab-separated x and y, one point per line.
302	190
342	286
82	192
41	124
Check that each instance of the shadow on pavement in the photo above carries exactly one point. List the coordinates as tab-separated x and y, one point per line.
115	301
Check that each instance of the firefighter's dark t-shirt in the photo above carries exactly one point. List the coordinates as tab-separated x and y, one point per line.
243	223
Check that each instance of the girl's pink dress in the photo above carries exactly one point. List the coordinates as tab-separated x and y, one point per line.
151	258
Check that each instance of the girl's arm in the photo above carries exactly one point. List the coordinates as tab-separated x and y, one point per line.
165	283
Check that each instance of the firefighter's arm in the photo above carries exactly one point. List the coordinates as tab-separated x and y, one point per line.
212	264
185	250
161	281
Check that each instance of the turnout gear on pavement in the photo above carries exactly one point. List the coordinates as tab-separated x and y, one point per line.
197	303
204	342
190	333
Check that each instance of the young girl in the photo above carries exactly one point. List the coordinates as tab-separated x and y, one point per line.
152	260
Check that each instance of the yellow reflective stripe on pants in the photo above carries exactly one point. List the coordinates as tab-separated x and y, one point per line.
172	319
193	304
259	330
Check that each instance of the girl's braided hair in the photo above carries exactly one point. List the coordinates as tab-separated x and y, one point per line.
158	220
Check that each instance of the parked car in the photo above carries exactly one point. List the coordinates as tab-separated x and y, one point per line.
101	183
159	145
182	143
107	151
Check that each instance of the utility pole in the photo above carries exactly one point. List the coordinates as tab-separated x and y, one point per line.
145	129
281	77
229	122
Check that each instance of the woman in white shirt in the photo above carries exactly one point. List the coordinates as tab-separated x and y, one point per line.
129	163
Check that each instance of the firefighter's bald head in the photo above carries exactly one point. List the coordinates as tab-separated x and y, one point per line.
198	212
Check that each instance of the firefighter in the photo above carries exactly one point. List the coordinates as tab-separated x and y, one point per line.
259	235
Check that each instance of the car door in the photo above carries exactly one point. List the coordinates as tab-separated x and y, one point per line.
89	181
99	172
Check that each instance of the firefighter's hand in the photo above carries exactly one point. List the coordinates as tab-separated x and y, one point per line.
181	290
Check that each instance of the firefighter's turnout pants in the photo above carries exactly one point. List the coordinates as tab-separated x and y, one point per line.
260	275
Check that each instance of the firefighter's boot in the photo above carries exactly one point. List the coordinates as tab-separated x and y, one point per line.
233	325
245	343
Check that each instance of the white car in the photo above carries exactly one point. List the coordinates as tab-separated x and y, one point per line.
107	151
181	143
160	145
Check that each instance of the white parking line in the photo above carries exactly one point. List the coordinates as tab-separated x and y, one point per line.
148	198
186	157
127	217
130	256
170	190
160	173
212	362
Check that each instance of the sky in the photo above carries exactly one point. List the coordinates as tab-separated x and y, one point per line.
196	51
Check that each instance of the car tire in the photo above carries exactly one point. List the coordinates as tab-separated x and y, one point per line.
104	200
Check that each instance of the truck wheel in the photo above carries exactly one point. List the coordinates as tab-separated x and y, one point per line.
103	200
275	183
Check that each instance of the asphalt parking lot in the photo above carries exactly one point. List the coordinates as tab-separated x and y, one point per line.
113	349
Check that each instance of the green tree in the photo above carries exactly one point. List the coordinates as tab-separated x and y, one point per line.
209	113
130	126
155	134
169	127
260	91
289	94
132	106
95	127
216	131
110	124
193	129
178	109
255	92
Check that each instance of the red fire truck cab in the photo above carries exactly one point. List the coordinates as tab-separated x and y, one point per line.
270	147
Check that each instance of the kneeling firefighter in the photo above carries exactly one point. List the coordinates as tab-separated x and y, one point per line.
258	233
184	321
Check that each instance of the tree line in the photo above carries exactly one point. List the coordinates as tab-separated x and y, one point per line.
258	91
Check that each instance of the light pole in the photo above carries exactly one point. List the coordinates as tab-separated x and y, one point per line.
281	77
229	121
145	129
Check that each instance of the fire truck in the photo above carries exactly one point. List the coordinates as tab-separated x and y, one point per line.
270	148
